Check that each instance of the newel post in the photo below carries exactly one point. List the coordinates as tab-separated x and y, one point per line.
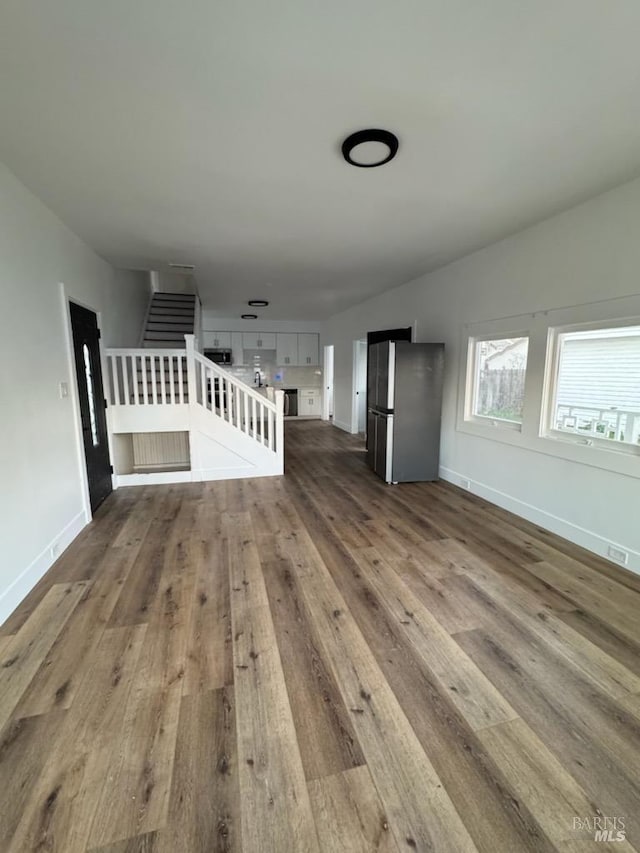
191	368
280	428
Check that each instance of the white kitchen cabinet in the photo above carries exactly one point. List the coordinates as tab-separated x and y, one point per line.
309	402
259	340
217	340
308	349
286	349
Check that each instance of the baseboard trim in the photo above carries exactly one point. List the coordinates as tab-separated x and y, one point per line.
205	474
155	478
160	478
560	526
18	590
343	426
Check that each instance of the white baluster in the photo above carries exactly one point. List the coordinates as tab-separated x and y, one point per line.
270	420
116	382
253	416
125	380
203	384
145	390
154	388
163	389
280	423
134	379
191	368
172	379
246	413
180	379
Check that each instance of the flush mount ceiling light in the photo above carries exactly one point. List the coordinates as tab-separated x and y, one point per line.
258	303
248	316
370	148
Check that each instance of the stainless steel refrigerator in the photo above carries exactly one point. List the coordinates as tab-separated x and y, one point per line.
404	391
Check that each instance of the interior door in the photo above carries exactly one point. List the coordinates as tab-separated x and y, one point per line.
86	349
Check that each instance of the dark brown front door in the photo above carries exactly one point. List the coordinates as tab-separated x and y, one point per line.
86	348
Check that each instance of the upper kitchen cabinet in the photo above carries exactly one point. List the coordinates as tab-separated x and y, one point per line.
286	349
259	340
308	349
217	340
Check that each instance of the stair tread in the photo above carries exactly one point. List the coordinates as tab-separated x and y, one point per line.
165	294
159	344
178	315
169	327
164	333
172	312
170	321
180	303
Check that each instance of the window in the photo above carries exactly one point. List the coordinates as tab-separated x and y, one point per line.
92	407
594	392
496	379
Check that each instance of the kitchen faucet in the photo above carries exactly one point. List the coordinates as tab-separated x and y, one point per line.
258	379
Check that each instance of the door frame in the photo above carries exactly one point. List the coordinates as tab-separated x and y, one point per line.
359	344
328	382
66	299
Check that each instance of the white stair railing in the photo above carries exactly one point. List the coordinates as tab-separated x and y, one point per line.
235	402
144	377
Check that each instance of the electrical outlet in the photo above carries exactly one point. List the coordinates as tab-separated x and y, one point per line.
618	554
466	484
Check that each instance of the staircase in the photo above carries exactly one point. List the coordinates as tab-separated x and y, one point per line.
234	431
171	316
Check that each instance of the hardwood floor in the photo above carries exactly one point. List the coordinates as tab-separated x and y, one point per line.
320	662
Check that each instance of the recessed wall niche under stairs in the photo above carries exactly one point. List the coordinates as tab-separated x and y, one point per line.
151	452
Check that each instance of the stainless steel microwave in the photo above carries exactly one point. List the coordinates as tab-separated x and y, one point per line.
219	356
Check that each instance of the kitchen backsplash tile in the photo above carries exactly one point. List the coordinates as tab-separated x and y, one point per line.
271	374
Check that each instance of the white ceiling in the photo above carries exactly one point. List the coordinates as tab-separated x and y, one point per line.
208	131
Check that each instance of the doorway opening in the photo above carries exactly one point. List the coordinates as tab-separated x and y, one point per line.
327	397
93	417
359	385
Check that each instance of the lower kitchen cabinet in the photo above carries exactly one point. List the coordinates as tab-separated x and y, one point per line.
309	402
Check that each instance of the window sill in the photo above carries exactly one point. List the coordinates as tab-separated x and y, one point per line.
593	443
492	424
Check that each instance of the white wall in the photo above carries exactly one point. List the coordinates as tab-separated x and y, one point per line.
587	256
41	498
